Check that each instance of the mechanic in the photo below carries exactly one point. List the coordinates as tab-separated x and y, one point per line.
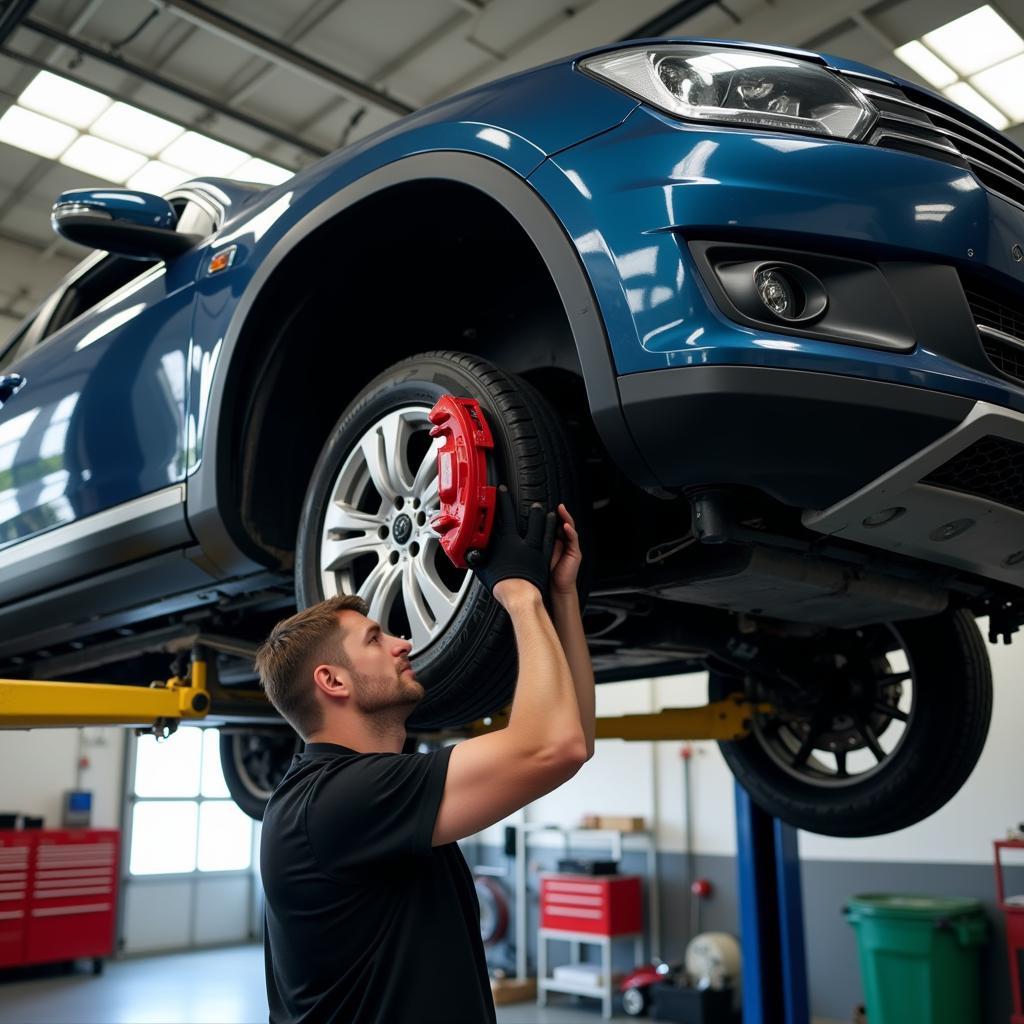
371	909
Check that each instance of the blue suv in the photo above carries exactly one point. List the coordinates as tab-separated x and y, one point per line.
756	315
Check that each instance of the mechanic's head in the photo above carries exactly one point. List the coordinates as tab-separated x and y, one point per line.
331	660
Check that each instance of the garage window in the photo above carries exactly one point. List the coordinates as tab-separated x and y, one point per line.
183	820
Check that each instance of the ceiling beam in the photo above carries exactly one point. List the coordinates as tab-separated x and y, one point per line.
153	78
285	56
668	19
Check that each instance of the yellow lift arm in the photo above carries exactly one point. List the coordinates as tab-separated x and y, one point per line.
727	719
32	704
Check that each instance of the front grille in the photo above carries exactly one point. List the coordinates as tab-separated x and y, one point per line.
999	316
918	122
991	468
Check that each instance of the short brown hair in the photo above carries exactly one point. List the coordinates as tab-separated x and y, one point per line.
286	659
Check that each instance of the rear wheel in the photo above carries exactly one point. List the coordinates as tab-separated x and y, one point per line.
254	763
878	729
365	526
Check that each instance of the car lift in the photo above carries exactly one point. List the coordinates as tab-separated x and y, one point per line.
771	907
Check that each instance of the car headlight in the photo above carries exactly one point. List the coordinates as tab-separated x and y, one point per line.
737	87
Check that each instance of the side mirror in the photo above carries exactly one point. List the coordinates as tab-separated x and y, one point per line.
120	221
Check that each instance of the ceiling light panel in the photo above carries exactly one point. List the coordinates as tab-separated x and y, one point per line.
157	178
102	159
1004	86
969	97
128	126
976	41
198	154
262	171
935	72
62	100
37	134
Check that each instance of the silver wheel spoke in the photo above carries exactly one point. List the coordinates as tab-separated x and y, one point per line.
375	453
439	598
342	516
395	431
421	622
379	590
426	473
430	497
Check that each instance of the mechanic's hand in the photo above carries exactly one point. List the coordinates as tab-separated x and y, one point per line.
567	556
510	556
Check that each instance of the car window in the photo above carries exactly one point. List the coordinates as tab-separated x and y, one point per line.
94	286
11	348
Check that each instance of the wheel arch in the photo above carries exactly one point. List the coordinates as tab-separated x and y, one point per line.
244	500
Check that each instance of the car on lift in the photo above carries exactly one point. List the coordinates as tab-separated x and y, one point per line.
755	314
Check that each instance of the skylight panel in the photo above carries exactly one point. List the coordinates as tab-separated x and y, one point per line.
974	42
128	126
40	135
63	100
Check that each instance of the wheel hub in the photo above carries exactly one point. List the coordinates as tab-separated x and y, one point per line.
401	529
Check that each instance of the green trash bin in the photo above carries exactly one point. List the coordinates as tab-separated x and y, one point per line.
919	958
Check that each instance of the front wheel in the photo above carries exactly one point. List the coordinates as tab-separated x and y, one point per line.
635	1002
880	727
365	526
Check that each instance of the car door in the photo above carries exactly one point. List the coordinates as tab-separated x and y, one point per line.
92	444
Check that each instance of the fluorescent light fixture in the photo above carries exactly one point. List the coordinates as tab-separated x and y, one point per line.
158	178
128	126
976	41
262	171
62	100
201	155
37	134
917	56
969	97
1004	86
102	159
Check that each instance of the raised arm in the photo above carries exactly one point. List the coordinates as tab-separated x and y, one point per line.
543	745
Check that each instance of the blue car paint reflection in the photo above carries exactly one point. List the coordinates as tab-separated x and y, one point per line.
122	401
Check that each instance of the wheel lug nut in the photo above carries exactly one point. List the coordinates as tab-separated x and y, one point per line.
393	558
399	501
414	549
383	533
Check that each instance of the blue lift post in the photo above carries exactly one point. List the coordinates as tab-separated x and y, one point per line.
771	918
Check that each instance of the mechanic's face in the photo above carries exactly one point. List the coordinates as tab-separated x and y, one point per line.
381	674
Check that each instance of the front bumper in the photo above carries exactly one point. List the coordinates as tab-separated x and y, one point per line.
957	502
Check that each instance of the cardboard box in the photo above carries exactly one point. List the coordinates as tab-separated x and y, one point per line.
512	990
618	822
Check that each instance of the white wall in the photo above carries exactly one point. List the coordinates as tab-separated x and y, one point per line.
37	765
647	779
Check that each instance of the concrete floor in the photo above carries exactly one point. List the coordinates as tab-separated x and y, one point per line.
218	986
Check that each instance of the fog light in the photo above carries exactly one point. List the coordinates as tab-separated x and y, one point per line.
779	295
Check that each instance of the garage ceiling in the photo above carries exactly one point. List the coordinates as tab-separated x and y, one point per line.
291	80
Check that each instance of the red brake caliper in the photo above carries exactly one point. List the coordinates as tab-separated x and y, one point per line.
467	500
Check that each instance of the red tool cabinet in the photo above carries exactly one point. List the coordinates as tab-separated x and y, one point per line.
58	894
597	904
1013	907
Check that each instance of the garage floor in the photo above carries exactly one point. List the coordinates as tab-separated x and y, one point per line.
221	986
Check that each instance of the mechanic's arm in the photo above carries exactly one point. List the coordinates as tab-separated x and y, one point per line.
568	619
543	745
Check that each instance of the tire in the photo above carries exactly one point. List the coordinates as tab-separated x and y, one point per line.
463	653
254	763
932	755
635	1002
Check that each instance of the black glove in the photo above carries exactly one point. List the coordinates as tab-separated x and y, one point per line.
510	556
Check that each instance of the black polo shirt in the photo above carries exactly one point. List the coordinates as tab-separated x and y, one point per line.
365	921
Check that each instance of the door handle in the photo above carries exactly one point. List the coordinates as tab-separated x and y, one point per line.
10	385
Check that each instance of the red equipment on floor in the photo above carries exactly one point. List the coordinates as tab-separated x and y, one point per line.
58	894
467	501
1013	908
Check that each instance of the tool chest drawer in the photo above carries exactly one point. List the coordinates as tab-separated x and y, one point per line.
609	905
58	894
